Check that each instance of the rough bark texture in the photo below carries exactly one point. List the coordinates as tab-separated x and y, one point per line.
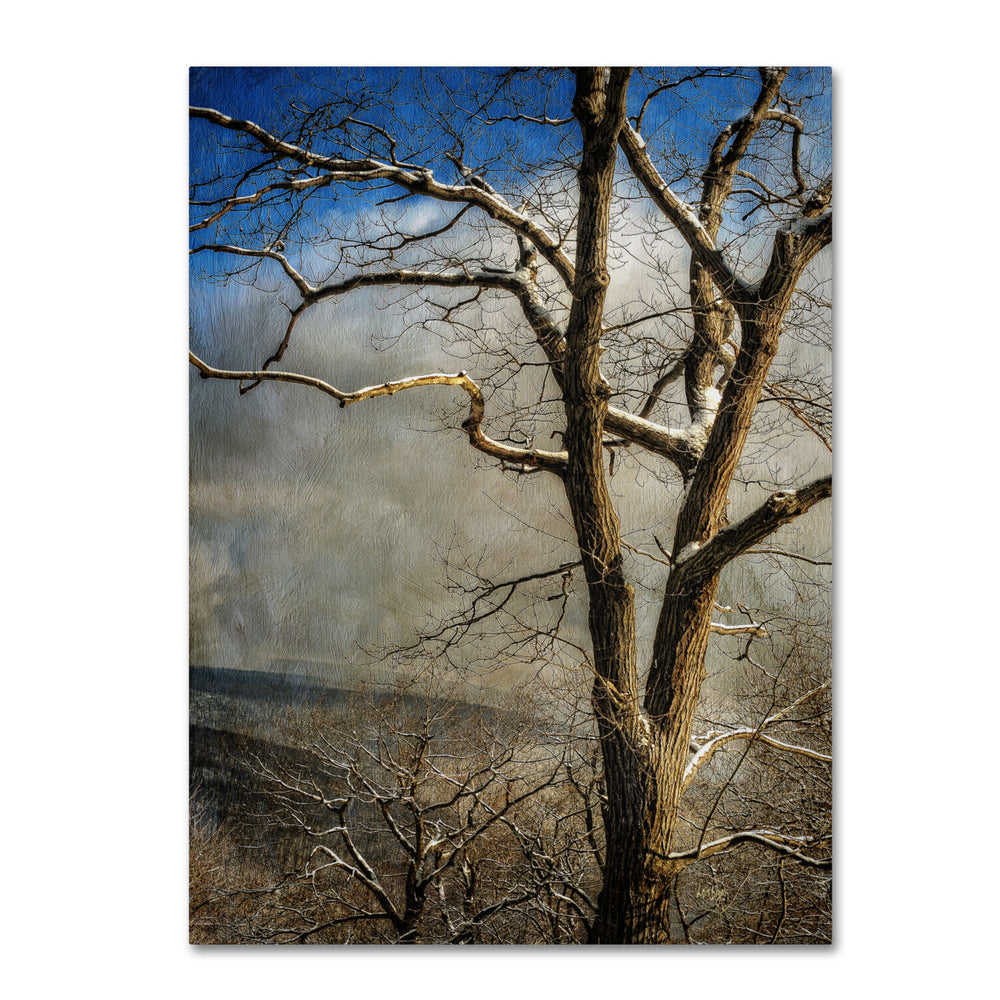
599	108
645	750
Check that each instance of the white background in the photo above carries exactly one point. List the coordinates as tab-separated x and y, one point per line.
94	404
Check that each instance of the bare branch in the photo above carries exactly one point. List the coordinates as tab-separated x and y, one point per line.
299	184
682	216
727	544
415	180
787	555
789	846
523	457
756	734
753	735
305	289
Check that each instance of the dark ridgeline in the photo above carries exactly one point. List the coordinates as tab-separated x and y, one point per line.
284	688
242	718
239	717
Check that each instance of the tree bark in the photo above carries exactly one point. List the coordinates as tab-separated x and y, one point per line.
631	785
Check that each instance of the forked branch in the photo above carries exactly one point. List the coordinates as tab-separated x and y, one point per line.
757	734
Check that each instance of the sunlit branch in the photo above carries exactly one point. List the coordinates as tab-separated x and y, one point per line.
719	629
551	461
385	135
532	119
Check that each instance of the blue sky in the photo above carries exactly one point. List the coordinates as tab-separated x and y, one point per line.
419	107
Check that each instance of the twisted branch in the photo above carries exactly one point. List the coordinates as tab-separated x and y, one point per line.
520	457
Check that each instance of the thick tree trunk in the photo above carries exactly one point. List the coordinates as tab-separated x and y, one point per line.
646	751
633	907
645	747
629	906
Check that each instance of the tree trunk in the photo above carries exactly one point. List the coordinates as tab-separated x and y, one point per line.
630	907
645	748
633	907
645	751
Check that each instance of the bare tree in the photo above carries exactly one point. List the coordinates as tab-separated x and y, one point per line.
656	235
406	819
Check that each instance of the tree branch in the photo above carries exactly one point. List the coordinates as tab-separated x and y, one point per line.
719	629
416	180
300	184
787	555
727	544
754	735
788	846
682	216
795	244
548	460
717	740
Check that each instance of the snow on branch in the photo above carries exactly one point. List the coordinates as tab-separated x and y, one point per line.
519	282
681	215
305	289
523	458
720	629
789	846
797	242
680	446
227	204
757	734
780	508
417	180
746	733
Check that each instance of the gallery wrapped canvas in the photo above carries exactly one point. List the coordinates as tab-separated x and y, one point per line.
511	466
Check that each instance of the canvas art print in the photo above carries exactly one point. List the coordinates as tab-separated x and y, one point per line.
511	518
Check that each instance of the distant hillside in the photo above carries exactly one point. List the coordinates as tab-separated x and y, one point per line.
236	715
244	700
223	786
284	688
